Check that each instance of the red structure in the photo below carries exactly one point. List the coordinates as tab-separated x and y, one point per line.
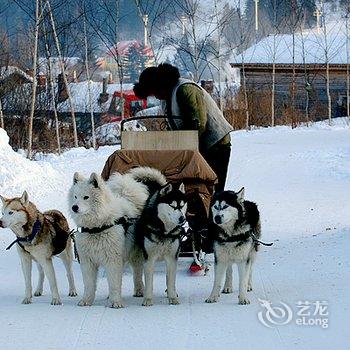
127	101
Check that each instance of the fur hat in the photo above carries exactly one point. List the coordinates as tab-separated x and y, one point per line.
163	77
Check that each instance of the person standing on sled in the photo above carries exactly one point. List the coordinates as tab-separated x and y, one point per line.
198	111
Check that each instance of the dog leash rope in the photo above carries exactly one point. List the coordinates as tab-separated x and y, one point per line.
72	236
257	241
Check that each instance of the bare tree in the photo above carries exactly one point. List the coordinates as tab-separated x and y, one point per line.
58	48
52	102
34	85
326	55
218	51
242	41
2	124
347	14
109	35
93	134
275	31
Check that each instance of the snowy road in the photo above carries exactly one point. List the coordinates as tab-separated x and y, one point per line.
301	181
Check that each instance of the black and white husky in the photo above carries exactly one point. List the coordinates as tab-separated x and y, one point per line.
235	229
159	232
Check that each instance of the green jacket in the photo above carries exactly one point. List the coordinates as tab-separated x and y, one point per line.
191	103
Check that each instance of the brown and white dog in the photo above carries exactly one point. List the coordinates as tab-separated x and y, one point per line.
40	236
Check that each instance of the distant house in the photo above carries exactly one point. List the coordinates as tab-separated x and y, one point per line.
311	53
11	76
74	67
133	56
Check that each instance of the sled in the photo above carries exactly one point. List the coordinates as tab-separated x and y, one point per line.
176	154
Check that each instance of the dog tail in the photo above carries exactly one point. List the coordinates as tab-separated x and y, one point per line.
150	177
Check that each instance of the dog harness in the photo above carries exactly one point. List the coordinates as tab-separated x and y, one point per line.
240	239
177	232
125	222
29	238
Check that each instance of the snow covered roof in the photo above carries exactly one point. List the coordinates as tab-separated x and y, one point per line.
310	47
7	71
80	96
69	63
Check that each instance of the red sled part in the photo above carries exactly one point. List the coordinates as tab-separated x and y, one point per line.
196	269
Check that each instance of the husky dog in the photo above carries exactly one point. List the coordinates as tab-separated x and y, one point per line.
102	210
158	233
40	236
235	230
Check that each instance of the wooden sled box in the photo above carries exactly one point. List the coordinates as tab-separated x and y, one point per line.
159	140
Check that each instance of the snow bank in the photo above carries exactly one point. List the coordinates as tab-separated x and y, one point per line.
18	173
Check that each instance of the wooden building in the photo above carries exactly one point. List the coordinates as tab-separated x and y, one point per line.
299	86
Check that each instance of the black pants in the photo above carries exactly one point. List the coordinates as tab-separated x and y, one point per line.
218	158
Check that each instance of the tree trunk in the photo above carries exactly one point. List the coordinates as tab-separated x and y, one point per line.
2	124
221	102
329	98
347	65
52	87
246	104
93	135
329	95
34	85
273	94
75	134
293	83
274	65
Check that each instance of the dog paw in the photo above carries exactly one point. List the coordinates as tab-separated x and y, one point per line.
116	304
243	301
84	302
72	293
56	301
249	288
147	302
174	301
212	299
227	290
38	293
138	293
27	301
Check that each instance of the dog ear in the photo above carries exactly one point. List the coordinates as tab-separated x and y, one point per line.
182	187
24	199
240	195
95	180
166	189
3	199
77	177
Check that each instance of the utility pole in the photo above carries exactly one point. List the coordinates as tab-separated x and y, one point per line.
183	20
256	15
318	14
145	24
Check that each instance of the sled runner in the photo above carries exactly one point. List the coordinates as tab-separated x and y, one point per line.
176	155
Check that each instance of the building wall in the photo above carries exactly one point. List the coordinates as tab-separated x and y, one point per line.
260	82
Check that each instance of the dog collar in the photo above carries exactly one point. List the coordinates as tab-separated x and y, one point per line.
29	238
126	223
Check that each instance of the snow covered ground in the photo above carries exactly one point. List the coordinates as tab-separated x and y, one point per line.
300	179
